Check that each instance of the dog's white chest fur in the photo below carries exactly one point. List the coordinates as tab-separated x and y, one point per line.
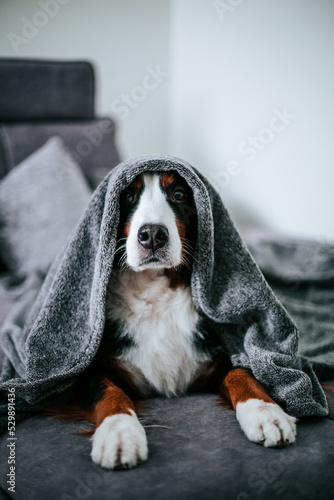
161	323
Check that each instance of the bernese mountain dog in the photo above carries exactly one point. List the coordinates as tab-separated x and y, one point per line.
155	342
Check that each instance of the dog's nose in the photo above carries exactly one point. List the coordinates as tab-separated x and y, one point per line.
153	236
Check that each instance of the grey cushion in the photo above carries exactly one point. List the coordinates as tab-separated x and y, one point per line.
40	203
199	453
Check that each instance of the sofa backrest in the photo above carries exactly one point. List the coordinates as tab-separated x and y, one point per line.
39	99
45	90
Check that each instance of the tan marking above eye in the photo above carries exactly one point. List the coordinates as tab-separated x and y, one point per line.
138	182
167	179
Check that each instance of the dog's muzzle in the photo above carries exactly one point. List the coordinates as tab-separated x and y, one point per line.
152	236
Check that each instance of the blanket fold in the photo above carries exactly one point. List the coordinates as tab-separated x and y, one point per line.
65	326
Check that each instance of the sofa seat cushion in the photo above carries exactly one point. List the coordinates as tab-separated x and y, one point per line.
196	451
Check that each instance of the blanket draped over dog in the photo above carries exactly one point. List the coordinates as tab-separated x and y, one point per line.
64	328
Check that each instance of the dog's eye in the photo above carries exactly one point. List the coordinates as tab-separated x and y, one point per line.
130	197
178	195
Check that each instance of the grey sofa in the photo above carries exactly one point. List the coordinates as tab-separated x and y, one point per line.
196	448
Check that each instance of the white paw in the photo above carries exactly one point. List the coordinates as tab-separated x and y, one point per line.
266	423
120	441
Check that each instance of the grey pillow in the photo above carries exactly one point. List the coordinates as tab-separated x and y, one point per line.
41	201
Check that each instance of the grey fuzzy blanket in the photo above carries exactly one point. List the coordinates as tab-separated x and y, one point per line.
64	329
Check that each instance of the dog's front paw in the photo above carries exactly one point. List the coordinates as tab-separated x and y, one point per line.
266	423
119	442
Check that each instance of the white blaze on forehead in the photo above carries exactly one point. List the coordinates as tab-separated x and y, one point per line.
153	208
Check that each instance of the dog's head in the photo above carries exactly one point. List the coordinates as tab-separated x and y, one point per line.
158	223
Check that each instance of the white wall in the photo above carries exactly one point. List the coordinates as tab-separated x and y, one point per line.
122	38
231	66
